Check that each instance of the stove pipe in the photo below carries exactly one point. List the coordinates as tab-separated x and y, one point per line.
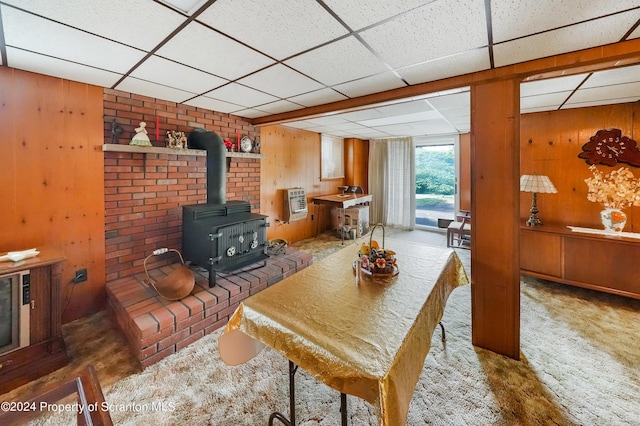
216	163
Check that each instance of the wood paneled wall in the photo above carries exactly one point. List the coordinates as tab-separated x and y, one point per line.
549	145
293	160
52	177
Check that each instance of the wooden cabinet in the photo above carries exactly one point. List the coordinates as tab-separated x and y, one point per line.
46	351
599	262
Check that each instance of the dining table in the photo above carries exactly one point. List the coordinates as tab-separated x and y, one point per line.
362	335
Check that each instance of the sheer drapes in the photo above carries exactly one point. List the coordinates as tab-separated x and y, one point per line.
392	182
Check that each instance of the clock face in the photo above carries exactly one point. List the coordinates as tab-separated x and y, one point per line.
609	147
245	144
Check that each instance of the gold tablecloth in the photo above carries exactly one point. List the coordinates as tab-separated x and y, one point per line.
369	340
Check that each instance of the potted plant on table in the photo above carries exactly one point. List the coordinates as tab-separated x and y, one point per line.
615	190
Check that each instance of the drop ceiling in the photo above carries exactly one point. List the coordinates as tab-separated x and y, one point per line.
255	58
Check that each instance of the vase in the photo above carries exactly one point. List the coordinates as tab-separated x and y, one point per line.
613	220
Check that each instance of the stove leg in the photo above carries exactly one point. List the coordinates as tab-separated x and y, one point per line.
212	278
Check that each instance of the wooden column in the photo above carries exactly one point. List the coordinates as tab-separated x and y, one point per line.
495	276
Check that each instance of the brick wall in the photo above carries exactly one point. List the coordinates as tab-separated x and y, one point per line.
144	193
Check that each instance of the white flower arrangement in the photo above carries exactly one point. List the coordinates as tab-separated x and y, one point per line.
616	190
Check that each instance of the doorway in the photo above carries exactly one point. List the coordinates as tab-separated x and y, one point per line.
436	171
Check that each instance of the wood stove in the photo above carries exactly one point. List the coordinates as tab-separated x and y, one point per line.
221	236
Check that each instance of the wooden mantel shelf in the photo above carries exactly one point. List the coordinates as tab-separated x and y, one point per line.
111	147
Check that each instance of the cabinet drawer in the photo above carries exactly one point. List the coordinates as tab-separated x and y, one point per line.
602	263
541	252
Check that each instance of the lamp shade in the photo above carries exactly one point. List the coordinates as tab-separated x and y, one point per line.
537	183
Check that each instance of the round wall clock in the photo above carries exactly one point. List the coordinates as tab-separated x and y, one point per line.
609	147
246	145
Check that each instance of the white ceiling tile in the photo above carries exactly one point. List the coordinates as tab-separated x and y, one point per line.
139	23
347	126
462	63
600	102
34	62
318	97
329	119
536	109
373	134
614	76
186	6
549	101
457	114
365	114
338	62
49	38
541	15
559	84
361	13
368	85
281	81
214	104
395	129
606	93
241	95
213	52
279	106
302	124
251	113
451	101
577	37
278	28
153	90
405	108
424	35
172	74
406	118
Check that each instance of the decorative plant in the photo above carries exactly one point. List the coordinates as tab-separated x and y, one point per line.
617	189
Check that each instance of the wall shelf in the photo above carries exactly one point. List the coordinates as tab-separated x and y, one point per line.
111	147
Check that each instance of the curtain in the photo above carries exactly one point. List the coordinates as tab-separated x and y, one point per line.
392	182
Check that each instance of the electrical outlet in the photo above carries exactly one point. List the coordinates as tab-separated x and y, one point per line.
81	275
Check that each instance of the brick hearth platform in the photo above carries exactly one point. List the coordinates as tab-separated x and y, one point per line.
155	327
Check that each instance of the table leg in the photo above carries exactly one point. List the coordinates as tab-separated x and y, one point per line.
343	408
292	403
292	400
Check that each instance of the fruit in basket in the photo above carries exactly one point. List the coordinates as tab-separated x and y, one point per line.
364	250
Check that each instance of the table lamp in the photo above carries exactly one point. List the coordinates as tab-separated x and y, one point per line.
536	184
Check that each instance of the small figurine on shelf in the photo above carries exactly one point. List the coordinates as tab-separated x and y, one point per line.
256	146
176	140
228	144
141	138
116	131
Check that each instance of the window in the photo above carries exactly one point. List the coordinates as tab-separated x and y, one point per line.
332	157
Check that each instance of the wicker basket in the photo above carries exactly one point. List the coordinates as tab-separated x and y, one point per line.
376	260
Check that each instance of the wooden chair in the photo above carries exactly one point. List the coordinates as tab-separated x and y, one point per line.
89	397
459	231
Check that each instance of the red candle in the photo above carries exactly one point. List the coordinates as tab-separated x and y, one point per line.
238	140
157	127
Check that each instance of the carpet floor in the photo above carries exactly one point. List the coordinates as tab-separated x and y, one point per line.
580	365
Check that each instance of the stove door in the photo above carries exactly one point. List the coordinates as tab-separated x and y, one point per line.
240	241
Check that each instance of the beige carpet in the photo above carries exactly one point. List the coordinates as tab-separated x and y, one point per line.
580	366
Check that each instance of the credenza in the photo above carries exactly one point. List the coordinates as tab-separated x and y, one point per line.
600	262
